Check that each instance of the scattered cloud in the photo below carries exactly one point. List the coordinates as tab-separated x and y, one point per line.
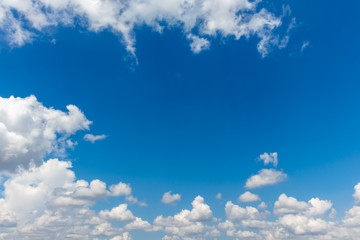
29	131
22	21
169	198
218	196
265	177
304	45
289	205
93	138
269	158
249	197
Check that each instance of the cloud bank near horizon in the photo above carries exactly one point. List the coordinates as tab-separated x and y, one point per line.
22	21
44	199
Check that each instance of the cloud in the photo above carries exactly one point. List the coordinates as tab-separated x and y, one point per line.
22	21
187	222
304	45
218	196
235	212
249	197
133	200
47	199
269	158
29	131
93	138
289	205
124	236
265	177
356	194
262	205
119	213
169	198
303	225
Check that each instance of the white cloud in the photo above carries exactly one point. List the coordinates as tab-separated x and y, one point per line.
235	212
269	158
124	236
289	205
356	194
249	197
119	213
93	138
29	131
133	200
265	177
138	224
169	198
262	205
120	189
304	45
22	20
218	196
46	201
304	225
187	222
198	44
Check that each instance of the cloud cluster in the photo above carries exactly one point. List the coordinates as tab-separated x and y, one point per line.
29	131
43	199
200	20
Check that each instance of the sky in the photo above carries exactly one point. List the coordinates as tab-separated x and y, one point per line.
179	119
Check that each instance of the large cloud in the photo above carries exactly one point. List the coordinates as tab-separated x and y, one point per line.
21	20
29	131
48	199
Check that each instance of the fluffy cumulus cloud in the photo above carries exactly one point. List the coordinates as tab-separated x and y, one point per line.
48	201
188	222
41	198
249	197
169	198
265	177
29	131
23	20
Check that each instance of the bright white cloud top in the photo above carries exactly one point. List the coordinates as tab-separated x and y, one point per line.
169	198
269	158
29	131
249	197
265	177
42	198
200	20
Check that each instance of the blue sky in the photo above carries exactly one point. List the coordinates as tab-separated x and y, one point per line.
196	123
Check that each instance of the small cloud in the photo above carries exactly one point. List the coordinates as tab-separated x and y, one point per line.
93	138
265	177
269	158
133	200
249	197
262	205
332	214
169	198
304	45
198	44
218	196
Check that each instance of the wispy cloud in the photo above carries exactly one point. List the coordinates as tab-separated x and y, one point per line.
22	21
93	138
